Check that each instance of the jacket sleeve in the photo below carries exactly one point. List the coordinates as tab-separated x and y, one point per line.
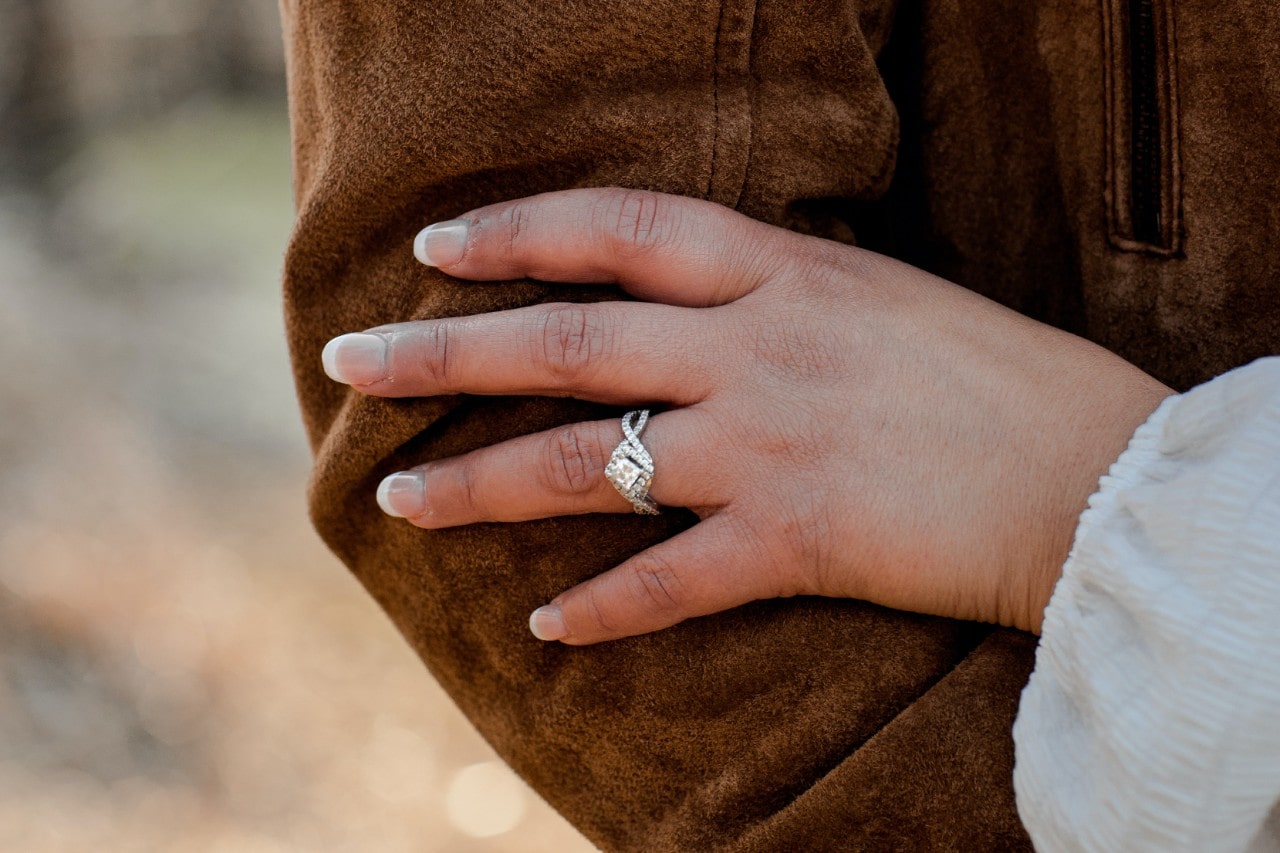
1152	720
797	724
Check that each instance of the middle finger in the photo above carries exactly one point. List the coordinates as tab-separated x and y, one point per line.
609	352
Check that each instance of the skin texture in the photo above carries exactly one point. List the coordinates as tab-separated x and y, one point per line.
842	423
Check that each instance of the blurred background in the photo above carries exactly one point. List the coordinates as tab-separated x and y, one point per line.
183	666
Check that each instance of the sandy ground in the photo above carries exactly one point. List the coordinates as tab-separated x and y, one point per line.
183	666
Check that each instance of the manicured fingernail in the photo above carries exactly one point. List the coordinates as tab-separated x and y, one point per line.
355	359
547	623
441	244
403	494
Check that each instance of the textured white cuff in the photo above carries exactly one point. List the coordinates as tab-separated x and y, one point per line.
1152	720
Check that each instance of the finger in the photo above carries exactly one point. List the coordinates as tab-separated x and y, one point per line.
659	247
612	352
706	569
557	472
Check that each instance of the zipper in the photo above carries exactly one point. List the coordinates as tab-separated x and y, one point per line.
1143	173
1144	129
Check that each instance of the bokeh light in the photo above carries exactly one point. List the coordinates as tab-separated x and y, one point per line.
183	666
486	799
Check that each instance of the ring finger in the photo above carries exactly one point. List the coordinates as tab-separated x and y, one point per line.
557	472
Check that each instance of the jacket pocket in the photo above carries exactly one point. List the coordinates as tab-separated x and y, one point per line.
1143	170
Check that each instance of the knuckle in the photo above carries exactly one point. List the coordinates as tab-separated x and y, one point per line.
596	612
438	360
779	570
636	221
655	584
797	437
513	221
815	273
468	492
797	346
821	260
574	464
573	338
756	257
824	272
803	529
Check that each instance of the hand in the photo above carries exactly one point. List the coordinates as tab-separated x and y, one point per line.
843	424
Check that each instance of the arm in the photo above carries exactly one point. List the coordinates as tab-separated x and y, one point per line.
1151	721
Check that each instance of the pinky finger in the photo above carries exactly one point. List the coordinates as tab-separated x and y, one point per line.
707	568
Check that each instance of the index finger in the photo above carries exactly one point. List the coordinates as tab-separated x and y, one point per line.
659	247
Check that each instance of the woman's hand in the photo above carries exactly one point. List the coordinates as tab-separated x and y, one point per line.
842	423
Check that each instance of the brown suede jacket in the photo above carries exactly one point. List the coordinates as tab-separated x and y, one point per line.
1107	166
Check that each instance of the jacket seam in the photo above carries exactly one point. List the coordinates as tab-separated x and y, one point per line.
731	90
715	102
749	95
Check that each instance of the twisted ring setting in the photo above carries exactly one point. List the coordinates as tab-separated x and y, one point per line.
630	468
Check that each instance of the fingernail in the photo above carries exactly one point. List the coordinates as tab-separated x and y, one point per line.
355	359
403	494
547	623
441	244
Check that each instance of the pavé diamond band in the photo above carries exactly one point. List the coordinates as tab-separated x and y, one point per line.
630	468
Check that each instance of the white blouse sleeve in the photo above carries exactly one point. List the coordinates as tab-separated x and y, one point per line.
1152	720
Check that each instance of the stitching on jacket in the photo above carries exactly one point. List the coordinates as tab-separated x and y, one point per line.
715	101
732	102
1108	119
1175	128
750	95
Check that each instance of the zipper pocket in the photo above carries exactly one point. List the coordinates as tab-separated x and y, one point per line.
1143	171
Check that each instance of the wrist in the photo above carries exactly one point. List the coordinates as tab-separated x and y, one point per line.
1100	430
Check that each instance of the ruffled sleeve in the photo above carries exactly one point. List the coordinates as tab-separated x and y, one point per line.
1152	720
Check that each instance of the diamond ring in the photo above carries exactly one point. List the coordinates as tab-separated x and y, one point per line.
630	468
